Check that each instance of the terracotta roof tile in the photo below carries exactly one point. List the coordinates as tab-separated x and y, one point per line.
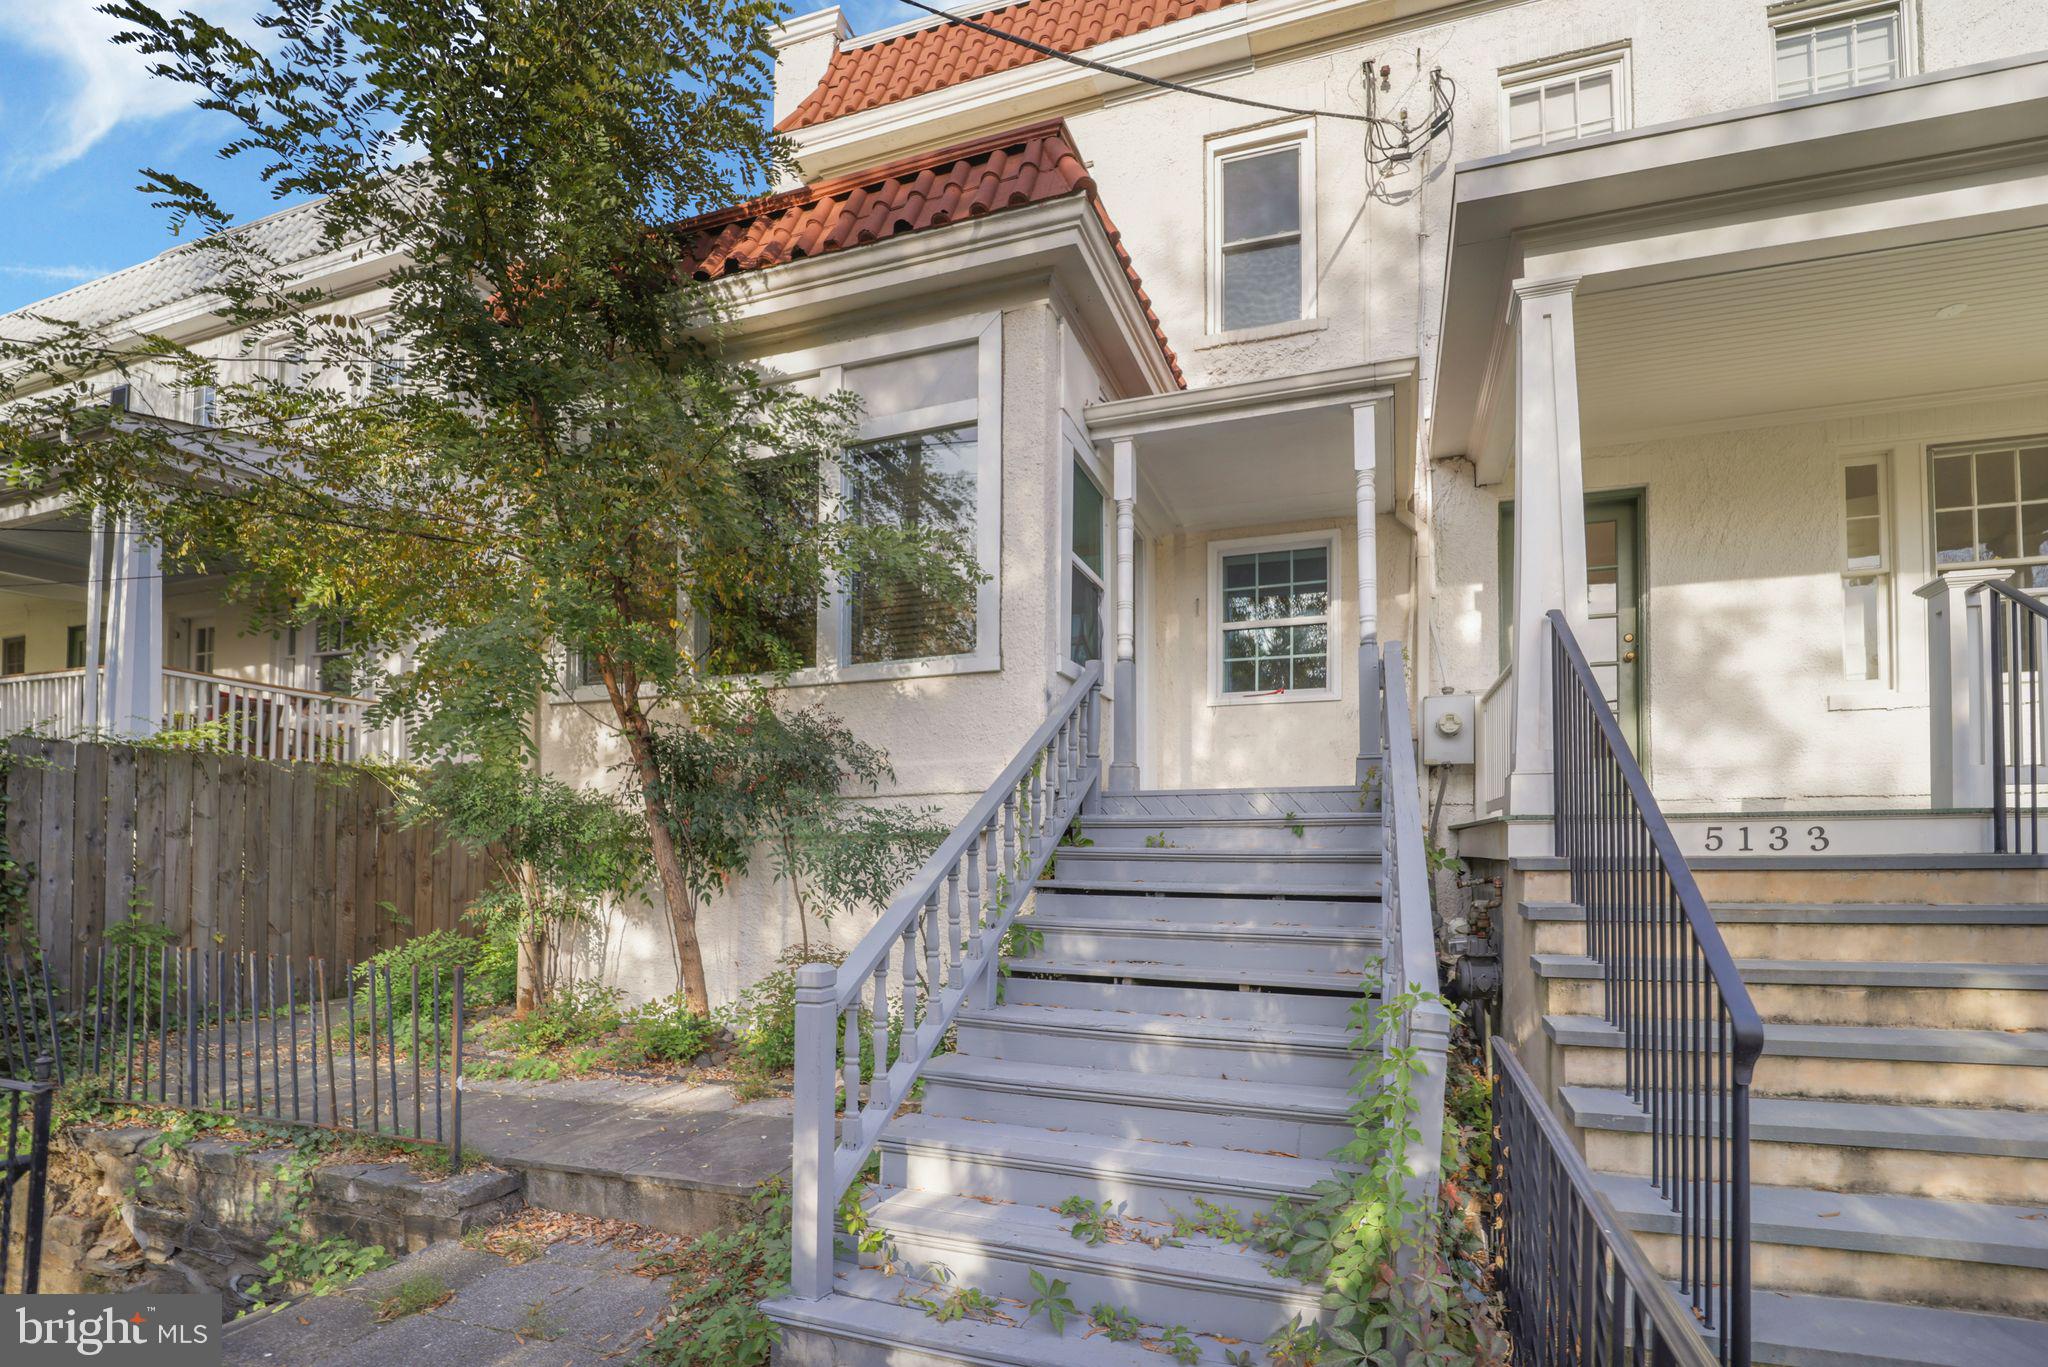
927	59
986	176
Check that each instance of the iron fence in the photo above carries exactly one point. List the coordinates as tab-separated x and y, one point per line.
1579	1291
2018	646
358	1047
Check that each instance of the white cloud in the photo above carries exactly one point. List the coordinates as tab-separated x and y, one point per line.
65	275
98	85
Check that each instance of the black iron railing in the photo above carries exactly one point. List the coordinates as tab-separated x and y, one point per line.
360	1047
24	1182
1690	1032
2018	642
1578	1289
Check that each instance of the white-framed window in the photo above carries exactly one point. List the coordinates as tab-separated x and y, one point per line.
205	407
1262	246
928	451
1991	505
14	655
1866	570
1824	45
319	655
1272	631
1084	594
203	655
1565	98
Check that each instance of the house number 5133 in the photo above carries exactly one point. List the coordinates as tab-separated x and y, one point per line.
1765	839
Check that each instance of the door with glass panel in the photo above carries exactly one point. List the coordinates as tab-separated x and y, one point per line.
1615	640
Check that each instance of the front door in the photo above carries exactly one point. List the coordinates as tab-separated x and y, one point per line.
1615	642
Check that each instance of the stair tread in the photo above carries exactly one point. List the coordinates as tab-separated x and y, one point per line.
1921	1226
1168	927
1320	892
2027	1048
1164	1027
1195	1093
1041	1237
1125	821
1853	1124
1841	972
1183	854
1836	913
1314	980
1195	1165
1830	1331
863	1306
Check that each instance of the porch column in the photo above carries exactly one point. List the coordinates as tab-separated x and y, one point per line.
135	637
1123	768
1959	688
1365	472
95	614
1549	524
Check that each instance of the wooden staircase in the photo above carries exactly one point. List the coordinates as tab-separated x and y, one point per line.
1176	1030
1899	1122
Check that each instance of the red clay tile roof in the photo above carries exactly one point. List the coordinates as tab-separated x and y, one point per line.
927	59
986	176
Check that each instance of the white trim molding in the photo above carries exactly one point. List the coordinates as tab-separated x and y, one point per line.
1525	78
1219	152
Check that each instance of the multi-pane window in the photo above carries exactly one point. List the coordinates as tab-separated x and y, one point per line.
1087	563
1262	229
202	649
1839	51
14	655
1553	106
1275	620
1991	504
928	481
1866	572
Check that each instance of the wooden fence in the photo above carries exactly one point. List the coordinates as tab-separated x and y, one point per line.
229	852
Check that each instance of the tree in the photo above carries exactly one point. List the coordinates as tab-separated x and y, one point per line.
544	444
557	849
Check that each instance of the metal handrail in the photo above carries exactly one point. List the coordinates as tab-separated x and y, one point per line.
1408	961
2019	730
1577	1286
946	926
1691	1032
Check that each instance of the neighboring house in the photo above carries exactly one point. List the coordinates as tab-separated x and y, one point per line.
170	649
1714	329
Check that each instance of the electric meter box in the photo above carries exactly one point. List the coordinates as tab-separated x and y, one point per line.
1447	732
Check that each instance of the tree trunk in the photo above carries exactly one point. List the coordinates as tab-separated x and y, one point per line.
675	888
531	948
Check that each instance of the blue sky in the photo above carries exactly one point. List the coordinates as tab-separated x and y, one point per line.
79	116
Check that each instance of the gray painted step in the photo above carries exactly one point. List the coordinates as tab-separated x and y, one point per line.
1303	868
1028	1164
1331	979
1267	835
1910	1226
1135	1042
1223	946
2028	1048
1841	973
1075	878
1827	1331
863	1325
1190	998
1848	1124
1261	1117
1073	905
1226	1289
1252	802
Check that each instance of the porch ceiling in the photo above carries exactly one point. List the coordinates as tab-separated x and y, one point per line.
1936	319
48	558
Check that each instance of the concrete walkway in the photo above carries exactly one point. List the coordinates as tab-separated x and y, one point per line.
677	1158
577	1305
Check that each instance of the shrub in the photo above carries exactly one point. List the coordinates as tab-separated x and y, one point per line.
439	949
574	1014
665	1031
763	1019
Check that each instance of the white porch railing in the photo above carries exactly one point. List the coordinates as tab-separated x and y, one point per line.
942	933
262	721
1491	757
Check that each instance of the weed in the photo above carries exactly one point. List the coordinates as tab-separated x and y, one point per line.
1177	1345
537	1324
1218	1222
1158	841
413	1295
1049	1298
1121	1326
961	1303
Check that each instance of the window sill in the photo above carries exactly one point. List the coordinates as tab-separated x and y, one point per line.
1258	699
1874	700
1269	333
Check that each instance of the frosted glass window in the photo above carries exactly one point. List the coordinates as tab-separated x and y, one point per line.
1836	54
904	384
1580	105
1261	238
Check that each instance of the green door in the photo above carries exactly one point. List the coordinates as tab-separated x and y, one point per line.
1615	644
